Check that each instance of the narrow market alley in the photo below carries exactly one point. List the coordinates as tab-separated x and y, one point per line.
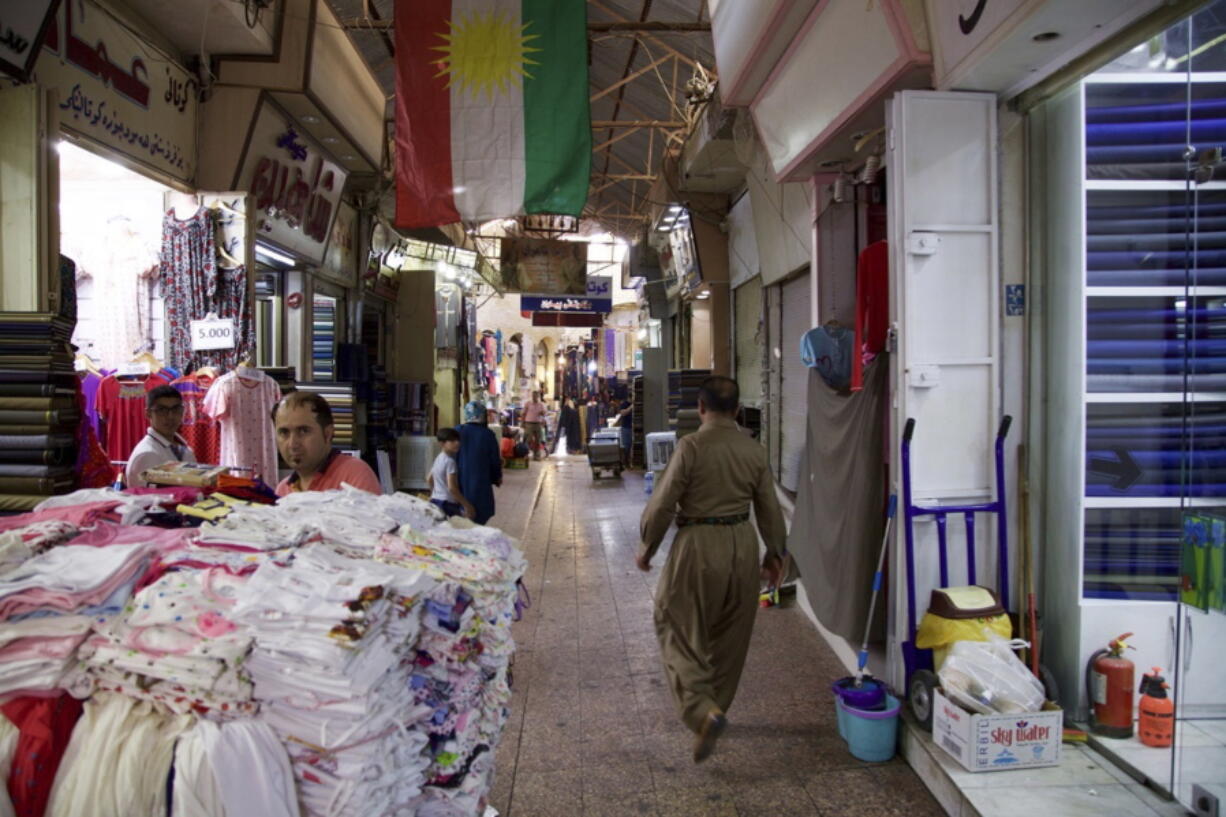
593	731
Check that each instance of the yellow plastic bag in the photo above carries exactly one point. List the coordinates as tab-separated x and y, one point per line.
938	633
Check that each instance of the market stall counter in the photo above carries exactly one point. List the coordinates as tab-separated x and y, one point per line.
337	653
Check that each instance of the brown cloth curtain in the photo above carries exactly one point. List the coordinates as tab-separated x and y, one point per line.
840	502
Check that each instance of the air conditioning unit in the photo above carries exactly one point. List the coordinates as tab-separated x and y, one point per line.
414	458
660	446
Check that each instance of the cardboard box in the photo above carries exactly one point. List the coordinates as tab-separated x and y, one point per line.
990	743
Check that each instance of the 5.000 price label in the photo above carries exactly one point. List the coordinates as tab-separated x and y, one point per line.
212	333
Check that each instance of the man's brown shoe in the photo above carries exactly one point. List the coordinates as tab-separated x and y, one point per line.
712	728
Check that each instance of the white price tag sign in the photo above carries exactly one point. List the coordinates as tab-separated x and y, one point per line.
212	333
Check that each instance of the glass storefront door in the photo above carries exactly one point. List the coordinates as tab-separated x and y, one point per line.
1153	126
1198	47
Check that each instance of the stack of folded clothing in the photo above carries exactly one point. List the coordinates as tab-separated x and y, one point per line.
49	603
352	520
39	412
25	541
175	644
331	666
464	654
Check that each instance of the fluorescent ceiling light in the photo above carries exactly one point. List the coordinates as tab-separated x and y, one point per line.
274	256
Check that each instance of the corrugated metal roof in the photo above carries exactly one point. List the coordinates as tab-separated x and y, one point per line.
614	55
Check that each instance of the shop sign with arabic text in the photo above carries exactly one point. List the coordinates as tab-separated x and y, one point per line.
296	186
119	91
599	298
22	26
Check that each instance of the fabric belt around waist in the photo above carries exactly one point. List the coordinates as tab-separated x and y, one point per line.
689	521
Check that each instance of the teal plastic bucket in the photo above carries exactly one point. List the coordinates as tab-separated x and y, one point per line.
871	735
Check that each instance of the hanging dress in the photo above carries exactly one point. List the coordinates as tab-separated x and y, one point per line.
188	277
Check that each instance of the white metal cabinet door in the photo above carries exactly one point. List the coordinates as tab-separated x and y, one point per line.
944	304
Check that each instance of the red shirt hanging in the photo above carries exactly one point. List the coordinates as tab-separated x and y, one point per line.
121	408
200	430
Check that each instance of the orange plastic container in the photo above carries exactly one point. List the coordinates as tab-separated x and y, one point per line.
1156	723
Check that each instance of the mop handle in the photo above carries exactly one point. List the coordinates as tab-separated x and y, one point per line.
862	659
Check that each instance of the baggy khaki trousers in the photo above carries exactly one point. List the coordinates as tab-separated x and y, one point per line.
704	613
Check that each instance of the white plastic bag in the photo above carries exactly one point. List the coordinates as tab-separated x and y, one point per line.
987	677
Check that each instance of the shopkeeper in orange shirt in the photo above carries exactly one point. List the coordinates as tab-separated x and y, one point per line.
304	425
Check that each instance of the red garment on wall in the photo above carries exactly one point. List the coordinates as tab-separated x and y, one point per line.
46	726
201	431
93	466
121	408
872	306
121	411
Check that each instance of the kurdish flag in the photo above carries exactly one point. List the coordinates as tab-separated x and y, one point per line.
492	116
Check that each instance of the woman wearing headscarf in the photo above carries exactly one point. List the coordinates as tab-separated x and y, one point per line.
479	461
568	424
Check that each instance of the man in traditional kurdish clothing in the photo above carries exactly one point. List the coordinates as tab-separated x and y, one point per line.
708	593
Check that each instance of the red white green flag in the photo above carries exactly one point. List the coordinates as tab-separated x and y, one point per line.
492	116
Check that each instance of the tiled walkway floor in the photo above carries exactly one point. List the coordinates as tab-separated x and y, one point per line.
593	730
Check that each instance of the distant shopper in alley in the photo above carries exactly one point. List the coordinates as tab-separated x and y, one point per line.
708	592
534	421
445	477
304	428
480	462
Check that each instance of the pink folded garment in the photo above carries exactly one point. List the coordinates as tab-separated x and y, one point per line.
57	648
162	541
55	580
82	516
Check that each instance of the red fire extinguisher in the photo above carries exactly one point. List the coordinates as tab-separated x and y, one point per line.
1157	711
1109	680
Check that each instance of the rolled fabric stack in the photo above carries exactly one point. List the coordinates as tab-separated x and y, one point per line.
39	413
688	422
49	603
331	665
464	654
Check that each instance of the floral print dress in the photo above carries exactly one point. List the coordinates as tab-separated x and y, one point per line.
193	285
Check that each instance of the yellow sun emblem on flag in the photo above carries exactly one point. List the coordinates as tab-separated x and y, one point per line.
486	53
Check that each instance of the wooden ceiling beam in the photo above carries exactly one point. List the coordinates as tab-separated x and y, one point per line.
618	18
373	23
649	26
602	124
609	142
628	78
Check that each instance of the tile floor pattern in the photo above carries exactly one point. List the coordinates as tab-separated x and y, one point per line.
593	730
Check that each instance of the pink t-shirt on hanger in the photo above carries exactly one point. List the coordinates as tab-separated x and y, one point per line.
241	404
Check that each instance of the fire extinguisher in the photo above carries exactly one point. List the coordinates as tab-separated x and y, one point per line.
1109	680
1157	711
